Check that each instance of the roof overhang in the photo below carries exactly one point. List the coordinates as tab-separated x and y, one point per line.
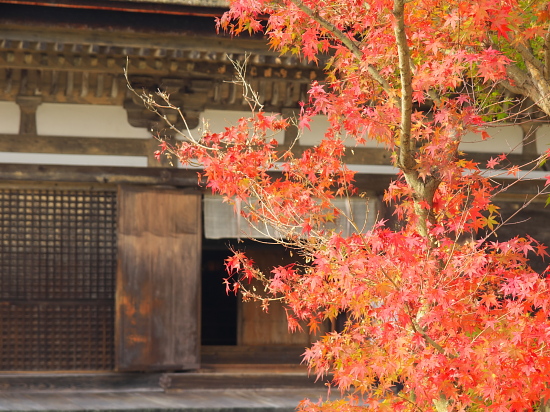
204	8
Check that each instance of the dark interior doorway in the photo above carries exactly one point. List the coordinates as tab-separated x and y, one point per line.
219	309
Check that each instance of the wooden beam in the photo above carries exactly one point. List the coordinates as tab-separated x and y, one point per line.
126	39
376	183
99	174
174	8
144	147
483	158
76	145
217	68
139	175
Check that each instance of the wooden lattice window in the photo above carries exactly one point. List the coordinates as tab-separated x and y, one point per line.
57	279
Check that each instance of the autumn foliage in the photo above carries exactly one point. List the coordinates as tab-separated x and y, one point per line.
440	315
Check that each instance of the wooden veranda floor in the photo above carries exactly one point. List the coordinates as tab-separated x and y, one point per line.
234	388
196	400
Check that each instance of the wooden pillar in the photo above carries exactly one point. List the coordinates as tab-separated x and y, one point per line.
28	106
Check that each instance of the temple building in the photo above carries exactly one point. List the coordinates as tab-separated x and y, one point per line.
111	260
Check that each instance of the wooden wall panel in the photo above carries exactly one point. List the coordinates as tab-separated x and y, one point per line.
158	280
255	326
260	328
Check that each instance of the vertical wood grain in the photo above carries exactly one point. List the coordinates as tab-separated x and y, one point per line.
258	327
158	280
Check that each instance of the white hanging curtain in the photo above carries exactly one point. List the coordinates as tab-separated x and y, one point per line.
222	220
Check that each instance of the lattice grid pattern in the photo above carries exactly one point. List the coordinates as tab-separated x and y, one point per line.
57	279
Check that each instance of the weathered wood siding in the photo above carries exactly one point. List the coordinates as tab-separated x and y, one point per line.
158	282
258	327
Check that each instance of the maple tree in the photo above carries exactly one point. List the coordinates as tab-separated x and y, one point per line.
439	314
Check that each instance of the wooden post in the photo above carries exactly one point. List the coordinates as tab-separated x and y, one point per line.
28	106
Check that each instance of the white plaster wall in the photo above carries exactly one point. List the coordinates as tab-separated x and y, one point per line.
218	120
318	127
9	117
72	159
86	120
543	138
222	221
504	139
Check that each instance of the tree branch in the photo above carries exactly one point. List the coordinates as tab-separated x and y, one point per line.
547	55
532	82
424	190
541	85
526	54
406	161
346	41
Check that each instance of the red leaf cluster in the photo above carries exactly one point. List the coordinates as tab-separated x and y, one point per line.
437	315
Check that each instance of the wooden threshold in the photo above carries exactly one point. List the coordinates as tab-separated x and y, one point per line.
250	355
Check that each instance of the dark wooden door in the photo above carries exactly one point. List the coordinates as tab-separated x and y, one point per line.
158	280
